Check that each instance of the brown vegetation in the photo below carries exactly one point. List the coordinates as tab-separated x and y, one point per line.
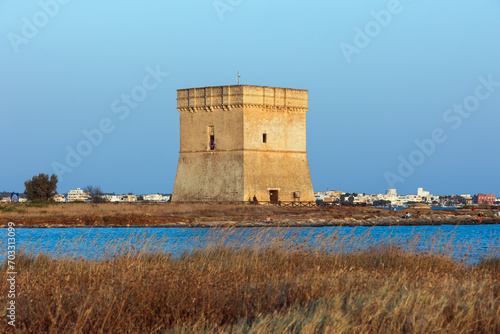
279	287
166	214
140	214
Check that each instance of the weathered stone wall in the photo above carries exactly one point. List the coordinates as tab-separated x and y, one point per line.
209	176
285	130
227	125
285	172
242	164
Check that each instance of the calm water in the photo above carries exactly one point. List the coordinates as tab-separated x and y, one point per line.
461	242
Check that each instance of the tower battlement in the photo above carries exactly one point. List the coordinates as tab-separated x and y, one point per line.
229	97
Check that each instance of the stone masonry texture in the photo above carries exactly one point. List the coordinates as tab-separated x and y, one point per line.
258	137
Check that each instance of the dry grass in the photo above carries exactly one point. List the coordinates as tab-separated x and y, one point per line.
170	213
281	286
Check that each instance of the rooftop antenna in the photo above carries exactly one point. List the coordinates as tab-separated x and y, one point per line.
238	78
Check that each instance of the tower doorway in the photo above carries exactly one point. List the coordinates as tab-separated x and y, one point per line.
273	196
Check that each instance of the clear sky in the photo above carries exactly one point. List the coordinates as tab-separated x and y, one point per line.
402	94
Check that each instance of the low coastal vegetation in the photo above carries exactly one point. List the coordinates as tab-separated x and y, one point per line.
140	214
43	214
226	284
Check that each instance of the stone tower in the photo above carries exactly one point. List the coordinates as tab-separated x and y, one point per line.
240	141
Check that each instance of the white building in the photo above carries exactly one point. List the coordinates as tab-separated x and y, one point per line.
363	199
60	198
113	198
129	198
391	192
320	196
153	197
422	193
77	195
391	195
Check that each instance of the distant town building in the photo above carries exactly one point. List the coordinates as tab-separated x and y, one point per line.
422	193
60	198
77	195
129	198
484	199
391	192
135	198
153	198
329	199
467	199
113	198
328	196
362	198
156	198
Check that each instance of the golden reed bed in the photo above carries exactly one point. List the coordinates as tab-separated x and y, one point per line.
280	286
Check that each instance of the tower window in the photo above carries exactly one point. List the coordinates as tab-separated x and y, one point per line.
211	138
264	137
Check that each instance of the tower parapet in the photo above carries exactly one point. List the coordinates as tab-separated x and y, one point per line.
229	97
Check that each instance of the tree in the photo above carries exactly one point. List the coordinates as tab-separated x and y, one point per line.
41	187
95	193
140	198
344	196
381	202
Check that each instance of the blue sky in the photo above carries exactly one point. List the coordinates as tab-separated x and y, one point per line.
402	94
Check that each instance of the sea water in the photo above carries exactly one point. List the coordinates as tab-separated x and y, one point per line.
467	242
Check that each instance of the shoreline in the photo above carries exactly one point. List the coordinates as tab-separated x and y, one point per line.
435	220
208	215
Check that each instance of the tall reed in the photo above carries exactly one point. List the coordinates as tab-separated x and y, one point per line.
233	282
